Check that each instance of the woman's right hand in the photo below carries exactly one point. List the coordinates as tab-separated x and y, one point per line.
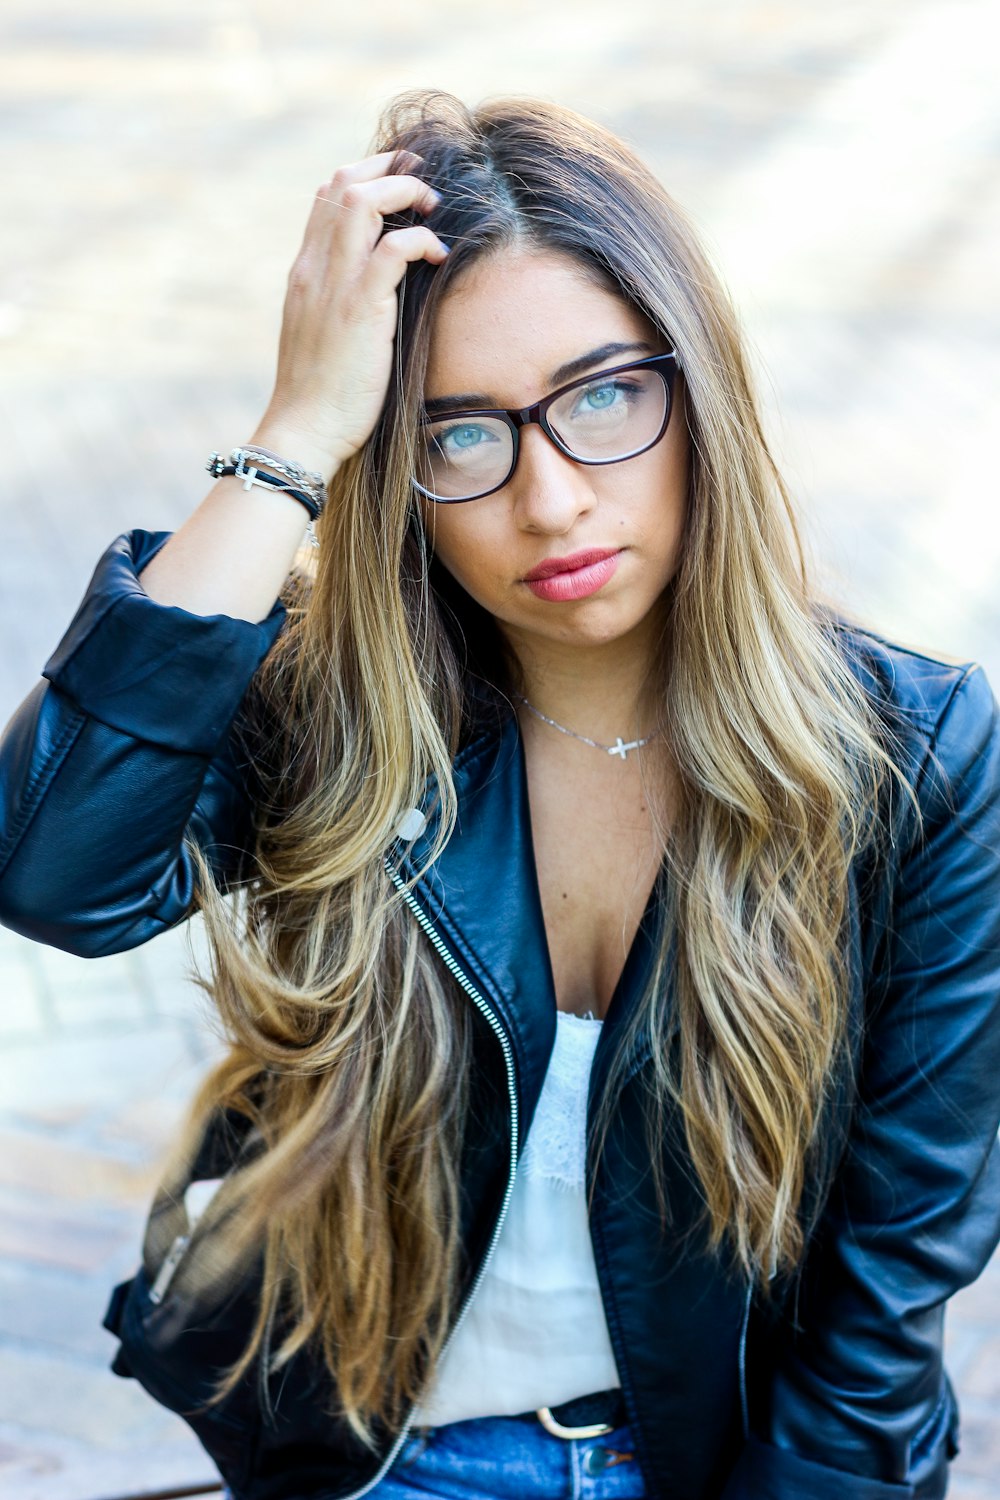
339	322
233	554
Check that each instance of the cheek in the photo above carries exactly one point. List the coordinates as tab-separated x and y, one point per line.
654	508
666	518
466	546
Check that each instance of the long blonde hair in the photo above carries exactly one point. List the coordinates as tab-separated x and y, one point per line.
349	1049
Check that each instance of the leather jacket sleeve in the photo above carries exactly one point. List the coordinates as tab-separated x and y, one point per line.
123	753
859	1403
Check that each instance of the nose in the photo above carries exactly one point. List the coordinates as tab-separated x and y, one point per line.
550	491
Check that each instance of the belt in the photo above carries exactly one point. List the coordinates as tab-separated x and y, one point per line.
583	1417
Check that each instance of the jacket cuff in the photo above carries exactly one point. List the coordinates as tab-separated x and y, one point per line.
765	1472
151	670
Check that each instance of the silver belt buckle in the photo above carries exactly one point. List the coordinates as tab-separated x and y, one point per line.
548	1421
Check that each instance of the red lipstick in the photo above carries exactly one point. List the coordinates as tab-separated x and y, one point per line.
561	579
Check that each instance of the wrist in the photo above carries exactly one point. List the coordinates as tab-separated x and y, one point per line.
296	444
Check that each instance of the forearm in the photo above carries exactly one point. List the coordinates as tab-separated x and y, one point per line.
233	554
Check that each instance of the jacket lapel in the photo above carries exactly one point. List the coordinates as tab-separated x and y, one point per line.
481	896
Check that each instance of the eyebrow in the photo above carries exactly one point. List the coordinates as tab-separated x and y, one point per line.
561	376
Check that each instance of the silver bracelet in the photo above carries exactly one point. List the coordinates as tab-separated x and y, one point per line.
259	466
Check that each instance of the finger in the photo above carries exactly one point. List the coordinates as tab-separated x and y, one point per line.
394	252
363	206
328	194
374	169
389	195
400	163
369	167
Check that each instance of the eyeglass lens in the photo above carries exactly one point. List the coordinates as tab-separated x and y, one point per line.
607	419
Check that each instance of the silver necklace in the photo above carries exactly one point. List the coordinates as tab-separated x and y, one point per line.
620	747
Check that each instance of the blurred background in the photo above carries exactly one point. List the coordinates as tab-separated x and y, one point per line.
158	164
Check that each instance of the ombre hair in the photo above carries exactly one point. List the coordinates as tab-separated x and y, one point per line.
349	1049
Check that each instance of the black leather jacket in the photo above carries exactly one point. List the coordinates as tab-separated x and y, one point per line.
843	1393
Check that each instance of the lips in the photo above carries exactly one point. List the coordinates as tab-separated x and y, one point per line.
569	564
562	580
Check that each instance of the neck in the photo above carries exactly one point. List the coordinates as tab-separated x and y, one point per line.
598	690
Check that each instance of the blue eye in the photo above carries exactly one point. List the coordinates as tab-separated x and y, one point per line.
614	398
464	436
599	397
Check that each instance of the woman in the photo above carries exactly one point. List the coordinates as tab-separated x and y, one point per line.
565	830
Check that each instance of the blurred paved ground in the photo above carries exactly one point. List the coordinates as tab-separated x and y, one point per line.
158	163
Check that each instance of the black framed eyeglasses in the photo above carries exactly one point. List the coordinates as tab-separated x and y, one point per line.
603	418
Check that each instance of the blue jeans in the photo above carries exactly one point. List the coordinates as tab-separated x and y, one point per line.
507	1458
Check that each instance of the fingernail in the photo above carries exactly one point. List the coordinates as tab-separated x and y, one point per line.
444	245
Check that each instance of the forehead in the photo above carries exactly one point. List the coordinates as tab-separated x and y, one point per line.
514	317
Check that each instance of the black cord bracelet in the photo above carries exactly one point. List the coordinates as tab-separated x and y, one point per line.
222	471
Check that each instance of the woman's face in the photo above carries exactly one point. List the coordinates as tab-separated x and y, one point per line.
504	332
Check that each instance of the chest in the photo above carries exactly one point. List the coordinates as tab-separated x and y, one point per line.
598	846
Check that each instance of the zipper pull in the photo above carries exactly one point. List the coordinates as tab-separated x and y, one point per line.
165	1275
197	1198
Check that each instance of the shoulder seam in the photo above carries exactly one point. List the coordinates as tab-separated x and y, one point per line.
969	672
954	663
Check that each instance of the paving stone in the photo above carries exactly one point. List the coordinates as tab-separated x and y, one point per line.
980	1442
97	1072
982	1377
963	1488
162	970
105	1412
962	1342
64	1312
23	1011
86	1005
36	1466
36	1231
146	1127
68	1171
978	1306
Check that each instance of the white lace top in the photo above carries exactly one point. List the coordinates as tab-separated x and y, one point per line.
535	1333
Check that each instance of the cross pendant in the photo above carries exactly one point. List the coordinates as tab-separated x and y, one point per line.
621	749
251	475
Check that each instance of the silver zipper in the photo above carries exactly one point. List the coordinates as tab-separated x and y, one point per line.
196	1199
459	974
744	1407
165	1274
